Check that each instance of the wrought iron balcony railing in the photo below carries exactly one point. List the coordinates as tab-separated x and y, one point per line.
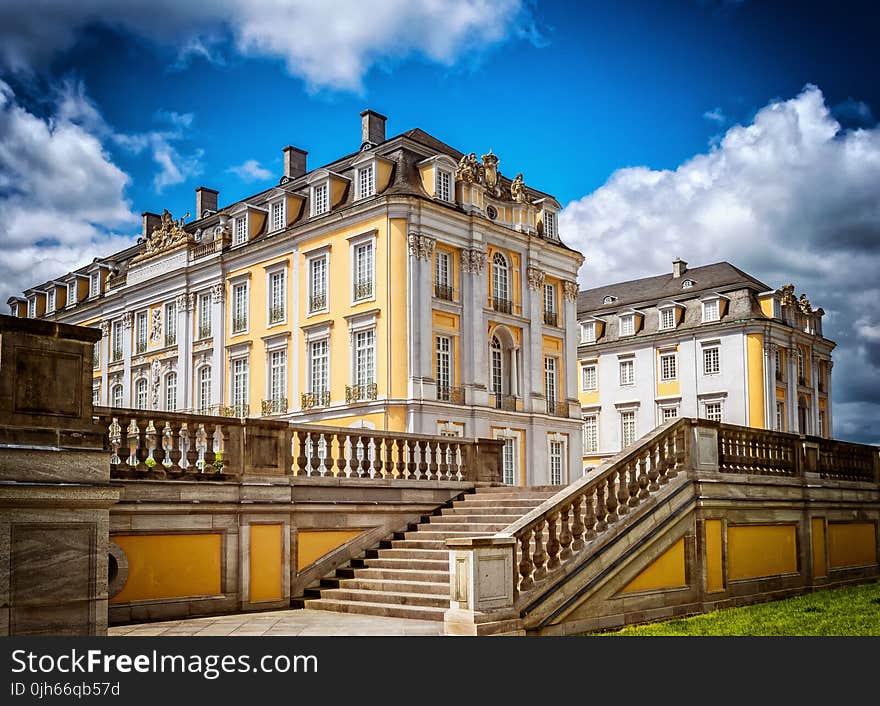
443	291
96	360
239	324
802	380
242	409
319	398
780	376
448	393
171	338
363	290
557	409
277	405
140	347
503	306
317	302
506	403
276	314
551	318
116	355
356	393
204	332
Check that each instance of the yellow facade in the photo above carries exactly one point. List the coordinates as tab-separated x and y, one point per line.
170	566
755	350
673	387
754	551
852	544
666	571
313	544
714	556
266	562
817	536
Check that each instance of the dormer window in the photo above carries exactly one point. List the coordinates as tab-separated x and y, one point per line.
443	184
609	300
588	332
320	199
32	307
711	310
71	293
240	229
628	325
276	215
94	284
50	301
667	318
550	230
687	284
366	181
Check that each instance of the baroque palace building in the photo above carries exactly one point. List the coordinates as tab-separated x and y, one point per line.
710	342
404	287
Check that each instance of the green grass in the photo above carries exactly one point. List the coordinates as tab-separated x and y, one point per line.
853	610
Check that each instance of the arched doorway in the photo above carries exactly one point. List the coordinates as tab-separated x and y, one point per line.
503	375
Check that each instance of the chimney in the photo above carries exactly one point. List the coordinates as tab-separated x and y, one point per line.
372	128
206	200
679	267
294	162
151	222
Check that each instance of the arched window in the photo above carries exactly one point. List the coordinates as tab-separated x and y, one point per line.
116	396
500	284
171	392
203	402
141	395
496	363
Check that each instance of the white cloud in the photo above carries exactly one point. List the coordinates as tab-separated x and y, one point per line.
250	171
716	115
61	197
328	44
791	197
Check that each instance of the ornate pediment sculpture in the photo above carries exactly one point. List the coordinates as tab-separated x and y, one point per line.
804	305
518	190
786	293
469	169
169	235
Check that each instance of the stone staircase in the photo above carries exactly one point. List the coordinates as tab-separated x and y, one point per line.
408	575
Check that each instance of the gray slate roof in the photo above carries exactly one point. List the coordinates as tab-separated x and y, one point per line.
721	275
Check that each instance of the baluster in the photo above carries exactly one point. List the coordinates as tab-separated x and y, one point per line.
623	490
552	542
400	447
565	534
577	524
433	465
133	438
184	447
150	434
379	458
217	447
423	459
328	454
365	457
353	460
115	432
167	445
589	514
388	468
525	561
653	471
539	557
633	470
601	524
412	466
201	447
662	464
459	461
314	453
611	501
301	467
341	446
443	460
678	458
643	476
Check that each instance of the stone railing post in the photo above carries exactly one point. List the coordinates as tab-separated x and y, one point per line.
481	585
483	460
704	451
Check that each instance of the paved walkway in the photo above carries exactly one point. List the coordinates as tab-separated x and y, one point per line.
284	622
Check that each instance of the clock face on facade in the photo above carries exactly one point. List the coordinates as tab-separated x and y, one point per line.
492	212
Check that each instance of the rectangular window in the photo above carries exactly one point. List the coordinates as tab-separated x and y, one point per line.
780	416
116	341
278	380
277	288
442	286
116	396
366	182
777	309
550	298
170	392
627	325
549	224
204	389
711	360
588	332
140	332
780	368
96	355
668	367
239	308
444	366
32	307
171	323
317	284
319	352
627	372
667	413
363	271
96	395
141	394
667	318
278	215
713	411
591	433
240	233
589	378
240	387
71	293
627	428
364	357
443	185
801	367
320	202
710	310
550	391
50	301
95	284
508	461
204	316
822	423
557	458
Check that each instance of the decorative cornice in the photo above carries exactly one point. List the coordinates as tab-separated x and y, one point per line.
421	246
570	291
181	302
218	292
105	328
473	261
535	278
127	320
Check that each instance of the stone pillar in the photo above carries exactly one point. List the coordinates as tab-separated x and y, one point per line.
769	385
791	402
54	503
814	398
829	428
533	360
218	335
105	363
572	337
414	307
126	360
185	306
474	287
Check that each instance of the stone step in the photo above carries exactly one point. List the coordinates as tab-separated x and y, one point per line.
434	588
466	511
421	575
435	564
410	554
503	502
530	490
418	544
384	609
454	527
426	534
392	597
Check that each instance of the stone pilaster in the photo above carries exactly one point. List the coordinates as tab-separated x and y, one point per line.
126	361
218	335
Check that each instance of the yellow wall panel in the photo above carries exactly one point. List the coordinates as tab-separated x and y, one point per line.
668	389
755	348
818	544
170	565
851	544
589	398
714	564
266	562
552	344
313	544
666	571
767	307
761	550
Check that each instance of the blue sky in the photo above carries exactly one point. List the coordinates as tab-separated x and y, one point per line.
618	109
